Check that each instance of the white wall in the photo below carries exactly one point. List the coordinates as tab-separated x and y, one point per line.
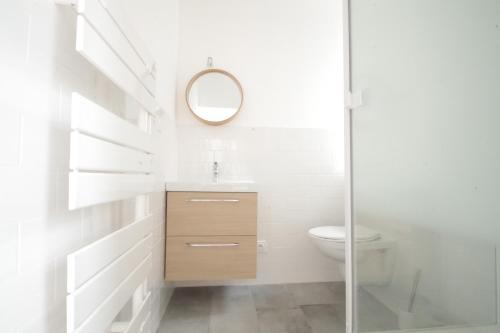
286	54
289	135
38	70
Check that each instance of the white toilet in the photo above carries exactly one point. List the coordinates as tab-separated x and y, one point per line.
369	243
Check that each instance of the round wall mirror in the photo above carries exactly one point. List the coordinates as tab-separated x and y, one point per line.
214	96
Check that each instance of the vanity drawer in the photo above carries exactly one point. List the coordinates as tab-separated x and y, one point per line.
211	258
211	214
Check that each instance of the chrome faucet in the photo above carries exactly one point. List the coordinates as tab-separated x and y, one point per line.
215	172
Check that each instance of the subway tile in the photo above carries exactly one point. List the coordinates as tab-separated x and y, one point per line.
40	241
49	321
60	278
11	132
14	33
9	238
276	228
26	295
39	142
61	190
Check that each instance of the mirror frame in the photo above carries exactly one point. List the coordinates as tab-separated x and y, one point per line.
223	72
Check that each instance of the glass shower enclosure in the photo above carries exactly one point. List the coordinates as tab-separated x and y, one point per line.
425	164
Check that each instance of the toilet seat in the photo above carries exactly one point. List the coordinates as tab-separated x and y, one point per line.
338	233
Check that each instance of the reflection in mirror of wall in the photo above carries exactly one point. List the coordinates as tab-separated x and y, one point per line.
214	96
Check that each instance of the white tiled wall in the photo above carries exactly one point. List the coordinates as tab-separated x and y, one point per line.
38	70
300	179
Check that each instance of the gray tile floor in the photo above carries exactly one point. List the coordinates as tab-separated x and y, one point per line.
290	308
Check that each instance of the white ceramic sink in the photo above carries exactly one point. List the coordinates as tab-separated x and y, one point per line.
236	186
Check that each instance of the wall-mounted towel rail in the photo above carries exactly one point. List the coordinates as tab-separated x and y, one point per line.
103	277
110	158
90	118
100	18
106	39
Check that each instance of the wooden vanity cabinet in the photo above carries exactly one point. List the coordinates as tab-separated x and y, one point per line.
211	236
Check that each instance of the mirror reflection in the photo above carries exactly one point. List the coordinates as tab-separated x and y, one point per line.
214	96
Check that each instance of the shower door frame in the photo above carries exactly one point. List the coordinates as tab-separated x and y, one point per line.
350	267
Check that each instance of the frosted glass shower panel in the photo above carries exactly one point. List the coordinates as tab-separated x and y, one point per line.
426	162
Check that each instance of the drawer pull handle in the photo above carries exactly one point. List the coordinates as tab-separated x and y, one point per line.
212	244
213	200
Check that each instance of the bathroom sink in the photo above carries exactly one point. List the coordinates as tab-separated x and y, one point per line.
233	186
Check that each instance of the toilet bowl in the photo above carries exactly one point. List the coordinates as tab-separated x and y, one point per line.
331	241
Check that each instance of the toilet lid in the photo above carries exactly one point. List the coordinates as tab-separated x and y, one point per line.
338	233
